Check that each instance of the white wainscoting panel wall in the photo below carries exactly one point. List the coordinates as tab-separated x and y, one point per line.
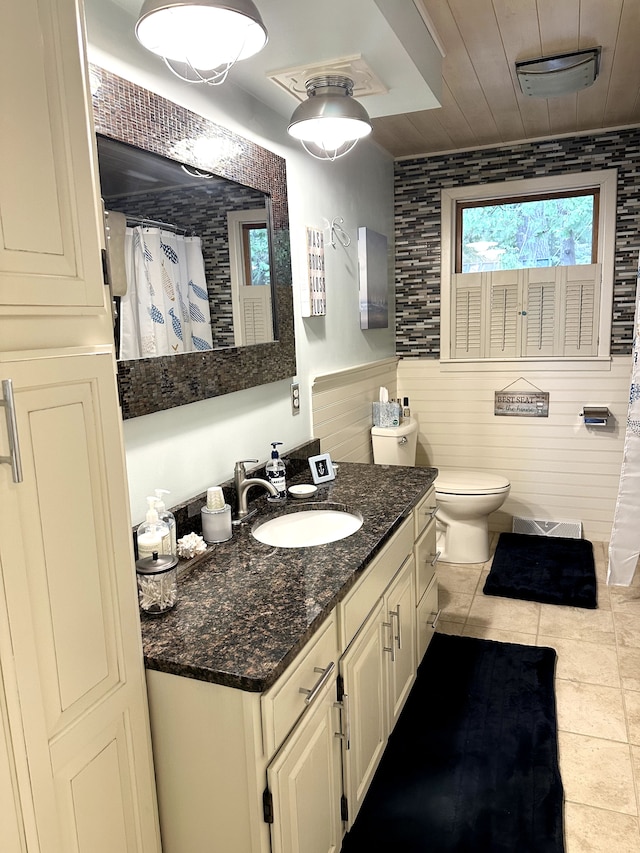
559	469
342	412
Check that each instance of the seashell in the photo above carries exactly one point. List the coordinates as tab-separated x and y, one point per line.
190	546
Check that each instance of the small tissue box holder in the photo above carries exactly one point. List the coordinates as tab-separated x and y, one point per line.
386	414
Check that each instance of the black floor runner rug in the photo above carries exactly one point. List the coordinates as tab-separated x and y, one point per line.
549	569
471	766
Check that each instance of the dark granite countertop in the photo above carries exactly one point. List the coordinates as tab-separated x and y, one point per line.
246	609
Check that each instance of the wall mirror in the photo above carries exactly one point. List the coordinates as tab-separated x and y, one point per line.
211	277
166	166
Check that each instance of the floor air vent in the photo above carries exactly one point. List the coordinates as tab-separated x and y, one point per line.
538	527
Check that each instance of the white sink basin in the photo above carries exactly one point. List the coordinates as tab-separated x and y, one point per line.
307	527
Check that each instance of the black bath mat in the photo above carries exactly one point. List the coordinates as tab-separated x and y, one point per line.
472	765
549	569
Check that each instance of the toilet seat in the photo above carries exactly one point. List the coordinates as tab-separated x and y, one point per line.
451	482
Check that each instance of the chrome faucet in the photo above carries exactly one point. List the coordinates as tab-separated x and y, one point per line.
244	483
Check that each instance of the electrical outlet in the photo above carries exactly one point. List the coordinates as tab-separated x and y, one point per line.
295	398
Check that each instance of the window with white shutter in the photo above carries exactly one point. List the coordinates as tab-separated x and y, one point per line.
544	311
534	313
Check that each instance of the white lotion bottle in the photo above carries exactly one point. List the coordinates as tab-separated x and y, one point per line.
276	471
152	533
171	544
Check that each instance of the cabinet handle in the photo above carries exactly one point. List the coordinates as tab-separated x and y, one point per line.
391	648
344	709
396	614
13	458
432	511
320	683
435	558
435	620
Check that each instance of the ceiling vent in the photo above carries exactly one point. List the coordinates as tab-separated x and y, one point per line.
365	82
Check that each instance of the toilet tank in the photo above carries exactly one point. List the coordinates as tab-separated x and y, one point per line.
395	445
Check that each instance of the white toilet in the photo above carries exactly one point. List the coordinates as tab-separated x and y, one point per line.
465	499
395	445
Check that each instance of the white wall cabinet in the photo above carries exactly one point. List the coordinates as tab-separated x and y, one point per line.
71	631
76	772
286	771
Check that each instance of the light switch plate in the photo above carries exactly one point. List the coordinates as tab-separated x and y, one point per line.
295	398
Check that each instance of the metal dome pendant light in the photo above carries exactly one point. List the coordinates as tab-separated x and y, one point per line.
200	40
330	122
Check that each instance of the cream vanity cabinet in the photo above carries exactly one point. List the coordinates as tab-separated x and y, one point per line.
249	772
285	771
379	665
76	773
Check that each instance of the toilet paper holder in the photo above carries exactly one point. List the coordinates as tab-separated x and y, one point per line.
595	415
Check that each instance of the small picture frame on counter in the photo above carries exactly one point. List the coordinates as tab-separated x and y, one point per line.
321	468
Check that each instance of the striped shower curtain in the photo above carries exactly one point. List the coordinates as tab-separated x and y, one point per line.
166	307
624	546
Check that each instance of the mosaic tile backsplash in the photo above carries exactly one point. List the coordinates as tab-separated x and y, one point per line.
418	182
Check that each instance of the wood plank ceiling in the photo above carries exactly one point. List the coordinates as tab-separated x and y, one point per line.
482	103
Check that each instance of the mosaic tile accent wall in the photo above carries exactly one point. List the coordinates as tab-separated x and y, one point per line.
418	182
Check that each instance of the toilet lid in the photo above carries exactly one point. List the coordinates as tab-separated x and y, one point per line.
469	482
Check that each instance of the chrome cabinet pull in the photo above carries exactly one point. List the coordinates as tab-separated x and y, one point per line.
345	716
432	511
435	620
399	634
13	458
391	648
396	614
320	683
435	558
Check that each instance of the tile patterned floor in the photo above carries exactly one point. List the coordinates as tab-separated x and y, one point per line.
597	692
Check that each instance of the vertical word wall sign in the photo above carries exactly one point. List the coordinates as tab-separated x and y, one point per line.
314	300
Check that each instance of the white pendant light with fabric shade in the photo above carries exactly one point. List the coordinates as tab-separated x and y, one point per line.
201	40
330	122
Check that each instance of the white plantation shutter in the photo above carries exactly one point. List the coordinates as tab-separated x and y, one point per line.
256	314
581	300
466	316
504	315
530	313
542	295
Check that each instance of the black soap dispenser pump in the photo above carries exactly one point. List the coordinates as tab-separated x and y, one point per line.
276	471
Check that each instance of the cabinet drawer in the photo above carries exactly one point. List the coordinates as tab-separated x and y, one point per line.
427	611
425	512
286	700
426	558
360	600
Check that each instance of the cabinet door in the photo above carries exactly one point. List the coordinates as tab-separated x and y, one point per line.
427	615
70	626
400	619
305	784
426	558
12	838
49	242
365	686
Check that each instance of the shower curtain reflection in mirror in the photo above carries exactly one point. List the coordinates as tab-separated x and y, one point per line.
166	306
